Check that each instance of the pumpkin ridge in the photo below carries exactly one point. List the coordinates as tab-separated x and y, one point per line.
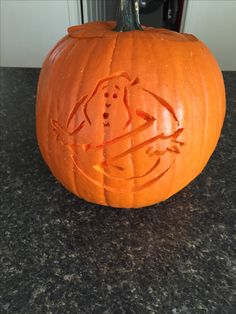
104	150
53	72
86	62
66	60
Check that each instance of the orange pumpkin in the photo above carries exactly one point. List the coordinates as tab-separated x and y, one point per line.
128	118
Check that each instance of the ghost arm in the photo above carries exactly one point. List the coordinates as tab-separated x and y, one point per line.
166	144
74	124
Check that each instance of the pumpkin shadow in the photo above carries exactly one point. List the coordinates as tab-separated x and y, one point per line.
128	242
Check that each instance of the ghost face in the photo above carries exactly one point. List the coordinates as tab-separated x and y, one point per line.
112	96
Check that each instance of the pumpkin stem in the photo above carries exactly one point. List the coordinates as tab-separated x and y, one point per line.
128	16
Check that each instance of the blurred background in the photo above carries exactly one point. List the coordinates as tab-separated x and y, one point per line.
29	28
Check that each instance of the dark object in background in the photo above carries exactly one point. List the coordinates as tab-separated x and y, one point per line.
170	13
148	6
161	13
155	13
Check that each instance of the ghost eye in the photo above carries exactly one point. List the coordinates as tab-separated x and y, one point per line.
114	95
106	94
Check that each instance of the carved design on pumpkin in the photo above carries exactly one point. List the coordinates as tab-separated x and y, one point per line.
114	95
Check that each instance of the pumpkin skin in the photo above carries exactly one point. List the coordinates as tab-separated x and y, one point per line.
127	119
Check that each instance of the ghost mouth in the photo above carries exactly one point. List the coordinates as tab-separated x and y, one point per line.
106	124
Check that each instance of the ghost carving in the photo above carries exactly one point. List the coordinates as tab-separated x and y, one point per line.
116	123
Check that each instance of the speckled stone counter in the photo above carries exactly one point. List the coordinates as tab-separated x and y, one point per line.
60	254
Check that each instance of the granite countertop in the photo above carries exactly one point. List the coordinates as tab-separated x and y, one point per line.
60	254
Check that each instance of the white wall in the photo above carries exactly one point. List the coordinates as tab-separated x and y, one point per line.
214	22
29	28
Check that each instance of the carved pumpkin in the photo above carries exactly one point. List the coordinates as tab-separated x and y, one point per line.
127	118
